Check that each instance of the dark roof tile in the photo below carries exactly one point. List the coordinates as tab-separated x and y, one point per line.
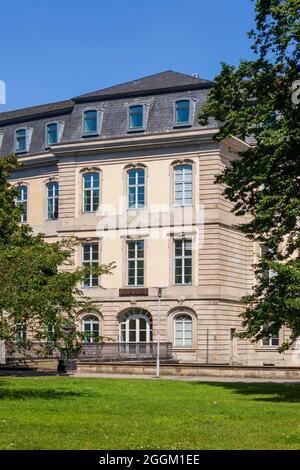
164	81
35	111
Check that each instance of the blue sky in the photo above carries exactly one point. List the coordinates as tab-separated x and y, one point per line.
52	50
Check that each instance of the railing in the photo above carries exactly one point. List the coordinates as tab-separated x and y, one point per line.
96	352
123	351
15	351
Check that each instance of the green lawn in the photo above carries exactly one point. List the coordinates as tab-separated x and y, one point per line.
69	413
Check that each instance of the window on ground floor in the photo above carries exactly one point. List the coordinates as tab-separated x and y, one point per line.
183	331
272	340
136	326
91	329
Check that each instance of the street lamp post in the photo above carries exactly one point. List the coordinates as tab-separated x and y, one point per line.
159	294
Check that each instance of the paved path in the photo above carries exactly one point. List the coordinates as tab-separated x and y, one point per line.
185	378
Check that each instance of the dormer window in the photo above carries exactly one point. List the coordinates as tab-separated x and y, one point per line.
52	134
90	122
21	140
182	113
136	118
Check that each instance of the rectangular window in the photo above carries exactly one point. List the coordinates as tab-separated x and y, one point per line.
90	122
182	112
90	257
21	201
136	189
272	340
135	263
183	261
91	192
136	117
21	332
52	134
52	200
183	185
21	144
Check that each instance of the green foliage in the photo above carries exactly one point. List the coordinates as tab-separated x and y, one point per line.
38	280
257	100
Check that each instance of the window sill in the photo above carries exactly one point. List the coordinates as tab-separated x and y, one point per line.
94	134
267	349
183	285
21	152
138	129
186	124
135	209
184	349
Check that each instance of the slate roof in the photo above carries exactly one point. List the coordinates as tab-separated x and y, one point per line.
167	81
36	111
157	92
164	82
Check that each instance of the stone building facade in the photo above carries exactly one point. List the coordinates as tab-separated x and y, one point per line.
130	172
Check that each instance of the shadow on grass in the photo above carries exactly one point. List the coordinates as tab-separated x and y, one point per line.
32	393
267	392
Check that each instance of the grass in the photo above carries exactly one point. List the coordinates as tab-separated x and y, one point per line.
82	413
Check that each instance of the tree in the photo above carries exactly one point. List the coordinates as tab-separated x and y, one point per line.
260	99
34	289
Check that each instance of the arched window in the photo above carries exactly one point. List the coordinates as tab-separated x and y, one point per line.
22	200
136	326
136	188
91	329
52	200
91	192
183	185
183	331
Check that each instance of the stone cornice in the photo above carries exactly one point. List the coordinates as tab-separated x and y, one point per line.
128	143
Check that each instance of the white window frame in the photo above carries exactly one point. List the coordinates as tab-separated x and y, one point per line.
136	185
135	259
1	138
99	117
20	332
184	202
25	129
270	339
90	261
145	117
137	318
184	317
53	198
60	128
21	201
92	320
191	113
84	175
183	258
